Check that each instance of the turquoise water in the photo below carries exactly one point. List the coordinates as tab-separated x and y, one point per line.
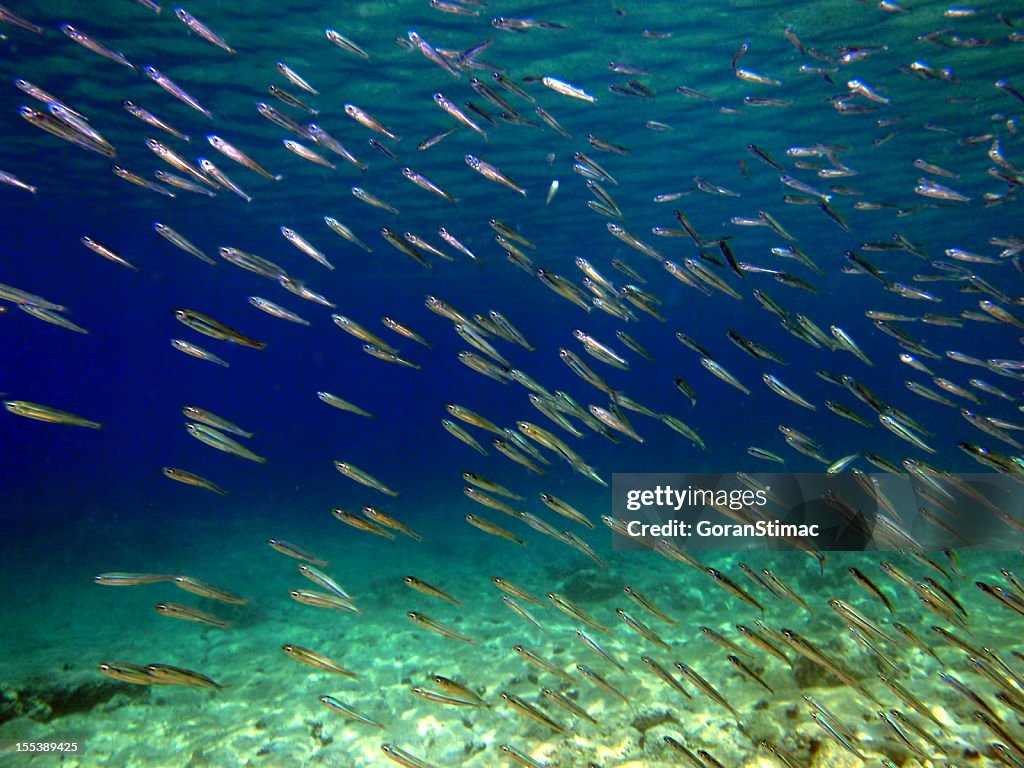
77	502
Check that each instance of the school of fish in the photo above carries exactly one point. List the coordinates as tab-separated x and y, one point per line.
908	612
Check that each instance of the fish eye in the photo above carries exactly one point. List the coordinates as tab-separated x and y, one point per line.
408	579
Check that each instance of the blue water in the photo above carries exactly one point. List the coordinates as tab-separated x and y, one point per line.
75	496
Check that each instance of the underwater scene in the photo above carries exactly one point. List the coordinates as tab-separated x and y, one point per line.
615	383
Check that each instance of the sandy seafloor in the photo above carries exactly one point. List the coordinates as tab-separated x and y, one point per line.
59	627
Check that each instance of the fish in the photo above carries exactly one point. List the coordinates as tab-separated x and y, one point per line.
337	705
641	629
211	170
123	579
190	478
776	386
178	182
528	710
452	109
204	589
354	473
69	131
133	178
323	600
665	676
429	589
95	46
566	510
220	441
202	30
279	118
600	682
566	606
431	53
495	530
197	352
403	758
492	173
706	688
424	183
295	79
176	161
343	231
177	611
369	121
723	374
207	326
459	433
181	242
520	611
840	738
315	133
10	17
316	660
343	405
291	550
149	118
49	414
432	625
567	89
172	88
532	657
166	674
406	248
442	698
355	329
276	310
568	705
285	97
461	691
106	252
303	245
123	671
361	523
240	157
345	44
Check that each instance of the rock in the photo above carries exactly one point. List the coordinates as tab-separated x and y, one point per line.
647	720
589	585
